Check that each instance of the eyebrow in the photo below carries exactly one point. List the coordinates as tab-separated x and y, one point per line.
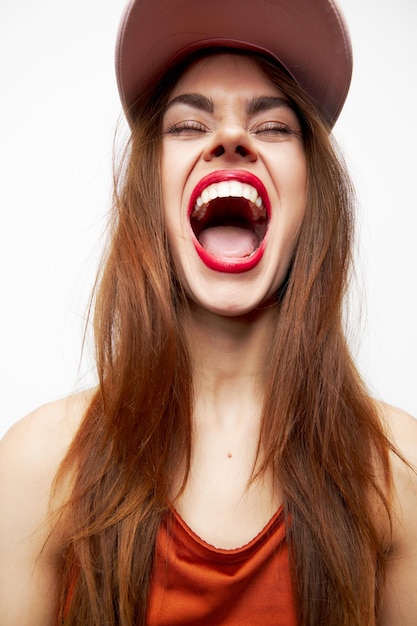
266	103
253	106
195	100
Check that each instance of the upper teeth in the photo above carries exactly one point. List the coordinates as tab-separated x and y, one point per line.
226	189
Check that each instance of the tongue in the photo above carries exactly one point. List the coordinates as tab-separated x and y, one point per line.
229	241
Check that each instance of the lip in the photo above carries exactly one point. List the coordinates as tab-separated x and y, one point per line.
227	264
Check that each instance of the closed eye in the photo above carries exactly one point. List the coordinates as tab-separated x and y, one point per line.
274	128
186	127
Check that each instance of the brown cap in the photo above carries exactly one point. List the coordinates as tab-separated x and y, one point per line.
308	37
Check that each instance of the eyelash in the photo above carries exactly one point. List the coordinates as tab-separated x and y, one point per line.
184	127
273	127
192	126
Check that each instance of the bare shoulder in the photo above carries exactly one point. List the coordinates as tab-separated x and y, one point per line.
44	435
33	447
400	599
402	429
30	454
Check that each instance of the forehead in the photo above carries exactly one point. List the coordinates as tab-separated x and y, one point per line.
226	72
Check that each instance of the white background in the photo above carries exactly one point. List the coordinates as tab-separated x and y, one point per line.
58	111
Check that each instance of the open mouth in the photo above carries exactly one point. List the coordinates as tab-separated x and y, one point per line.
229	216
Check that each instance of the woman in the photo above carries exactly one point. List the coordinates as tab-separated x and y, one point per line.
230	468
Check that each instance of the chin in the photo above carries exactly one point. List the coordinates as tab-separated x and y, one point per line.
223	305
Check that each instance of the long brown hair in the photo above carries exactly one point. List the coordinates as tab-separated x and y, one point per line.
320	431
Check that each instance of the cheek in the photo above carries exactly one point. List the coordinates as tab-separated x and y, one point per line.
177	159
297	172
170	193
292	205
175	223
293	193
167	175
299	180
175	168
289	169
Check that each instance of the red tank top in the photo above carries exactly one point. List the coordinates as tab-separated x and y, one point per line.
195	583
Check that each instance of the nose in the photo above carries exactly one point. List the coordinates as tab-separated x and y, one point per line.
233	143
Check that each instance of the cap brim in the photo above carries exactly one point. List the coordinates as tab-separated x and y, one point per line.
309	38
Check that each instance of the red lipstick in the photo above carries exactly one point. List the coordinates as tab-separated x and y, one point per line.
244	208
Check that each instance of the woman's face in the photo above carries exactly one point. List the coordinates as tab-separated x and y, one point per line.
234	183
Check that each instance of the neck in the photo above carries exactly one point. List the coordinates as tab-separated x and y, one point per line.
227	356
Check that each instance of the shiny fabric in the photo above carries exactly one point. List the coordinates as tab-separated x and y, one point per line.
196	583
